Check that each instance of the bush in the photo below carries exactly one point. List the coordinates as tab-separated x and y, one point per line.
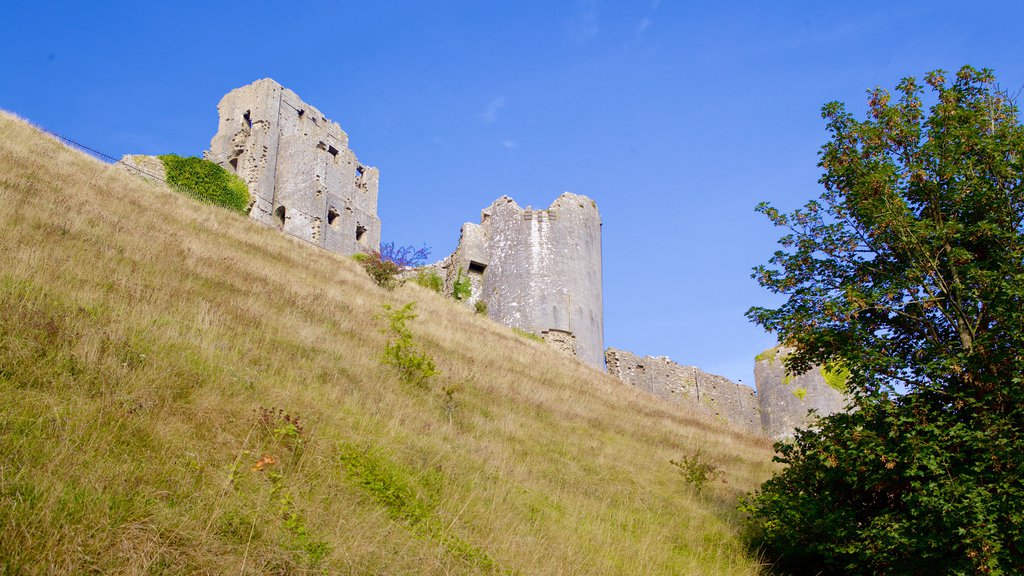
414	366
430	280
480	307
696	470
383	272
206	181
463	288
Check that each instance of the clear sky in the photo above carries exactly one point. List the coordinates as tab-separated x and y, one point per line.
676	117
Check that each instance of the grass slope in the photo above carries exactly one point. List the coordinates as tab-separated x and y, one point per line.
184	391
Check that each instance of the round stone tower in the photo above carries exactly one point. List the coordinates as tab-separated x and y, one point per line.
544	274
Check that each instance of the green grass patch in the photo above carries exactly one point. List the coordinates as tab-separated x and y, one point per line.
409	497
528	335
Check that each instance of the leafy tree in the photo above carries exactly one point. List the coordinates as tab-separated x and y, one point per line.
908	272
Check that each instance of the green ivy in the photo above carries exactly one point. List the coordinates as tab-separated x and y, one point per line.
463	288
836	376
206	181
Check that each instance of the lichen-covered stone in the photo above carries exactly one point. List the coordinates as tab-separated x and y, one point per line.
693	389
302	177
786	400
149	167
537	270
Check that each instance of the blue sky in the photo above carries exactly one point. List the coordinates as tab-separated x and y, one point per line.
676	117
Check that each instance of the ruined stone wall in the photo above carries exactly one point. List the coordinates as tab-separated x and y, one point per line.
538	270
302	177
149	167
689	387
786	400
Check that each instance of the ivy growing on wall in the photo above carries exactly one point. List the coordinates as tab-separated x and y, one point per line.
206	181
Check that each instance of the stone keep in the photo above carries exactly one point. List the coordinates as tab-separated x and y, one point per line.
302	177
786	400
713	396
537	270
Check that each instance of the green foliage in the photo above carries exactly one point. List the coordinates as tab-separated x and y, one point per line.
908	274
463	287
429	279
696	470
386	482
528	335
406	497
800	393
383	272
206	181
480	307
414	366
835	376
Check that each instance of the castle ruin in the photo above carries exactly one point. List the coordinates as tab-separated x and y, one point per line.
537	270
713	396
782	403
787	401
302	176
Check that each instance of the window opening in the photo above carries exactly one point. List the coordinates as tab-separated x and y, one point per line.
476	267
360	232
332	219
247	118
279	216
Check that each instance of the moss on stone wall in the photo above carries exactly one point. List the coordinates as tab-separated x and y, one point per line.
206	181
768	355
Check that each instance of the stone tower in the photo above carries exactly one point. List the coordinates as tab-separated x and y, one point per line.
786	400
301	174
538	270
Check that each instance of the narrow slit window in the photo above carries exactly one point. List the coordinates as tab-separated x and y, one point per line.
247	118
279	216
332	219
360	232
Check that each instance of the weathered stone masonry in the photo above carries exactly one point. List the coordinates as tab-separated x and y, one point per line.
714	396
302	177
786	400
537	270
782	404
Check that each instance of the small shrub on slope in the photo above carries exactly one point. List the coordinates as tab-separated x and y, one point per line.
384	272
414	366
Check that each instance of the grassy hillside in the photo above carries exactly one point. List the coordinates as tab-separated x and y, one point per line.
185	391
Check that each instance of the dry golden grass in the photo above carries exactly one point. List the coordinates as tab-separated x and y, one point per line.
141	333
